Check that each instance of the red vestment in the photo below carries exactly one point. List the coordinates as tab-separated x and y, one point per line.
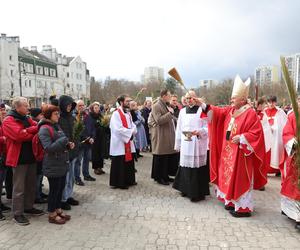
271	112
289	185
233	167
260	114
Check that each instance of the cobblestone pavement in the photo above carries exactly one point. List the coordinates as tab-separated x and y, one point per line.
151	216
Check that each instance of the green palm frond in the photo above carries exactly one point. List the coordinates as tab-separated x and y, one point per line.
293	96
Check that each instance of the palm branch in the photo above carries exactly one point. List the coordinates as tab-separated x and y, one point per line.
293	96
78	127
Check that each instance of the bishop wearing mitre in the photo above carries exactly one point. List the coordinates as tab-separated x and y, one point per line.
237	151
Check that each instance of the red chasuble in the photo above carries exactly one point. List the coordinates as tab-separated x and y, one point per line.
128	155
289	185
260	114
233	166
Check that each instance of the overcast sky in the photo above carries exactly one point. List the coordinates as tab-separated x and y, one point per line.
118	38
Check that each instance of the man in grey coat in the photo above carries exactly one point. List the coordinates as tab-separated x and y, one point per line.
162	130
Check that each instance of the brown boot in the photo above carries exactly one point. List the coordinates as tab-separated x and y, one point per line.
61	213
56	219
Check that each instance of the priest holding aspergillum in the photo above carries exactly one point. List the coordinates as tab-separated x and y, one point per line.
237	151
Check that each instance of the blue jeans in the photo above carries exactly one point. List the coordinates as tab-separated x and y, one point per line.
70	179
84	156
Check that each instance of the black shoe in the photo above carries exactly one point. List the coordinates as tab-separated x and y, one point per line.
171	179
5	209
278	174
140	156
229	208
79	183
89	178
135	170
239	215
40	201
65	206
34	211
297	226
198	199
163	182
2	217
21	220
262	189
44	195
72	201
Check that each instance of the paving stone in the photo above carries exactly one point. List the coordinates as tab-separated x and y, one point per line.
151	216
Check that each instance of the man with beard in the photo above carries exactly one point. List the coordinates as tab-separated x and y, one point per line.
122	173
162	129
192	177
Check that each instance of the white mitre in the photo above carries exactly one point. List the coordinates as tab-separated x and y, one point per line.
240	88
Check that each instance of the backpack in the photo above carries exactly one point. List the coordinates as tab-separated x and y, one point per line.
37	147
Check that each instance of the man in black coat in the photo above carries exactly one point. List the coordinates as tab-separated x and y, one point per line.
145	113
67	122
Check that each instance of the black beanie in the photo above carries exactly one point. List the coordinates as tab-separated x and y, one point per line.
34	112
53	100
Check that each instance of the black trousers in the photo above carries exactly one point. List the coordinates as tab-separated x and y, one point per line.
9	183
163	166
98	164
56	187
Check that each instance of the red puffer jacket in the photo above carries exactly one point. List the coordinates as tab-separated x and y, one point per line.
16	134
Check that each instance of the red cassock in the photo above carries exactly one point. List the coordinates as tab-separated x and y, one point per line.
289	185
232	166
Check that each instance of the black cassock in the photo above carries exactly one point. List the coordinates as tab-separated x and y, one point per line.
193	182
122	174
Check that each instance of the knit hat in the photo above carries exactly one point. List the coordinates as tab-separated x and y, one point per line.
53	100
34	112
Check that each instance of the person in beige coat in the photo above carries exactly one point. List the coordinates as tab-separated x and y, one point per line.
162	130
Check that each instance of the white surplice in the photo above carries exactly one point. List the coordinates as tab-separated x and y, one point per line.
121	135
275	140
193	154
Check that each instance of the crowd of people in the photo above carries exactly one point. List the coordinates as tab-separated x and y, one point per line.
193	144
